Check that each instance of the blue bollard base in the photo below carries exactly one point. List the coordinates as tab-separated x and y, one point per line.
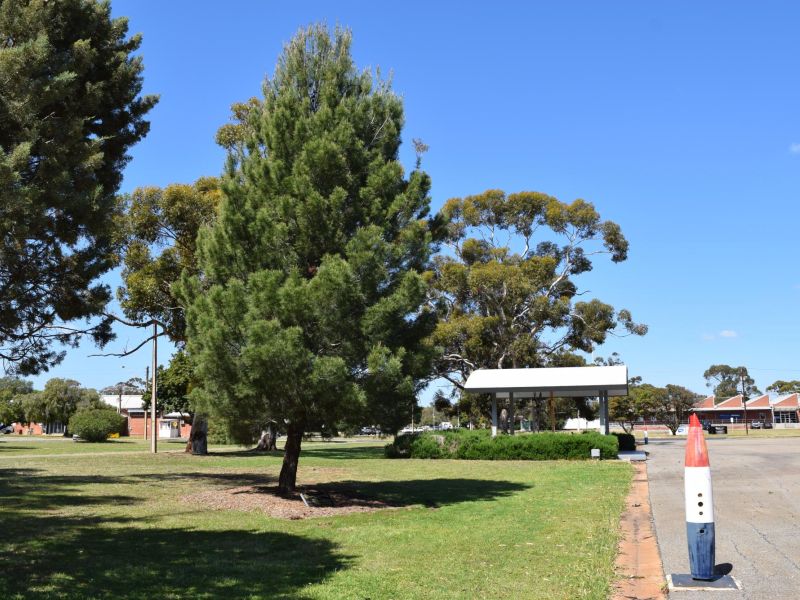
685	582
701	550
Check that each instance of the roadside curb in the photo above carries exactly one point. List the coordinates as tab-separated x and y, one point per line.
640	574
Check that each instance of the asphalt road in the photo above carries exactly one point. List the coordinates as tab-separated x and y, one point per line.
756	485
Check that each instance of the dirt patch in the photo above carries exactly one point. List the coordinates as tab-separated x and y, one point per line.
638	566
308	502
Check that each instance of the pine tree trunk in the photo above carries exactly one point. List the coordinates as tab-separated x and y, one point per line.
269	439
198	438
291	456
511	416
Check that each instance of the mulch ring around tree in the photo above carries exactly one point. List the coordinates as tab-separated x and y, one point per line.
306	502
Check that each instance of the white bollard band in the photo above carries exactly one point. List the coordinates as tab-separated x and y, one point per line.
699	502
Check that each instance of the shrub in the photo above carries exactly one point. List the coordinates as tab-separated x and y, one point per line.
401	447
626	441
218	433
479	445
96	424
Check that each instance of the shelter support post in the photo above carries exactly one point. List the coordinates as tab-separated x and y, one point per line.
511	416
494	416
604	425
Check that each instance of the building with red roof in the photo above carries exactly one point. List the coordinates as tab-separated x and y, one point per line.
787	411
732	410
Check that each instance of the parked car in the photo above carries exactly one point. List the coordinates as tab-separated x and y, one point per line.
767	425
6	429
368	431
756	425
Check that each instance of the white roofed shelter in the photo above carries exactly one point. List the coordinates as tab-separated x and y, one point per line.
561	382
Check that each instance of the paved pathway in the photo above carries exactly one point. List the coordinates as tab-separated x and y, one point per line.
757	511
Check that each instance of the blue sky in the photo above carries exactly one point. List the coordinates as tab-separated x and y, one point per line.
680	121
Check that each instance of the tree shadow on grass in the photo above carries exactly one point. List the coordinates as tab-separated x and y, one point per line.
27	489
432	493
9	447
45	553
343	452
351	452
23	483
87	561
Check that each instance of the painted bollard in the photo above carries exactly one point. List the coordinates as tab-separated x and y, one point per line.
699	504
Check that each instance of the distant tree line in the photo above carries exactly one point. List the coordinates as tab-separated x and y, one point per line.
56	403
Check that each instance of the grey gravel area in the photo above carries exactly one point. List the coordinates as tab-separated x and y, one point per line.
756	484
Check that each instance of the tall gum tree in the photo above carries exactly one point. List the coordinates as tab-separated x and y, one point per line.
70	108
506	287
159	227
729	381
310	306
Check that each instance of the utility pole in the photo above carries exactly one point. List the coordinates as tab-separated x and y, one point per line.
153	424
146	379
744	403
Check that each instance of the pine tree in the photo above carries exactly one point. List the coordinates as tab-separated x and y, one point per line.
69	111
310	305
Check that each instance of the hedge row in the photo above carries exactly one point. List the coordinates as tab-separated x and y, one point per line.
479	445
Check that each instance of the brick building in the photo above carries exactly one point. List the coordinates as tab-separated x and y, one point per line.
131	406
787	411
782	412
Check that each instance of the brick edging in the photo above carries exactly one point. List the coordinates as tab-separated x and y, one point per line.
639	572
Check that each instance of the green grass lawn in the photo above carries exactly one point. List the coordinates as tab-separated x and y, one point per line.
95	521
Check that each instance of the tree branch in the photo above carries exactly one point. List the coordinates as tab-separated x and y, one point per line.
129	352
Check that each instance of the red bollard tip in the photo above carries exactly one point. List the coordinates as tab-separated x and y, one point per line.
696	451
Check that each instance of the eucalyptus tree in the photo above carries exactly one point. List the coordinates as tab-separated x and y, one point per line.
160	227
12	390
784	387
309	307
58	401
674	405
730	381
506	288
642	402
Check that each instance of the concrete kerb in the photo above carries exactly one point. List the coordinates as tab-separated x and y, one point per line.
640	573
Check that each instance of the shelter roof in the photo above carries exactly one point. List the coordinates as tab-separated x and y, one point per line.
128	400
572	382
